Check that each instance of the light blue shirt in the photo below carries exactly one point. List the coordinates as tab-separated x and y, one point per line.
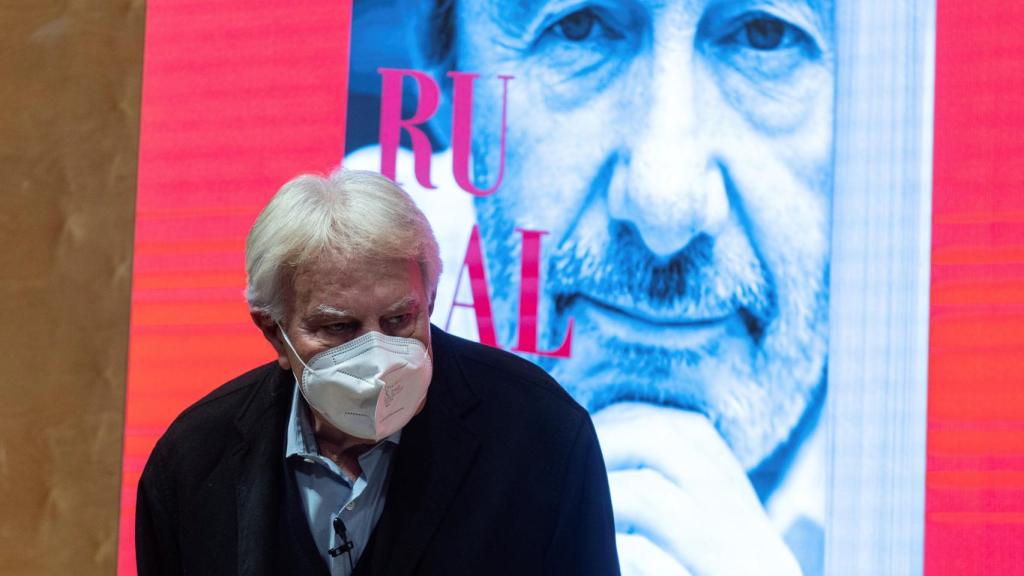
326	492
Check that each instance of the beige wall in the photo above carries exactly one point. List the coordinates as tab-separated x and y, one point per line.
69	93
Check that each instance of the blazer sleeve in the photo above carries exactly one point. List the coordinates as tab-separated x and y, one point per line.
156	545
584	536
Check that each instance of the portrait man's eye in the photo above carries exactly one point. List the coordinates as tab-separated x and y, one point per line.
765	33
759	45
581	41
769	61
580	25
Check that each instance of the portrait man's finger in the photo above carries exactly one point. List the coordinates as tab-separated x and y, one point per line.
699	455
639	557
694	502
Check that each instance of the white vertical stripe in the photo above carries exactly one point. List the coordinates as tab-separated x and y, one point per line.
877	403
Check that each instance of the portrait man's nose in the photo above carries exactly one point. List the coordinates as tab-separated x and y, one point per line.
668	182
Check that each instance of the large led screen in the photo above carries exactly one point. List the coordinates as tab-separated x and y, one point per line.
657	202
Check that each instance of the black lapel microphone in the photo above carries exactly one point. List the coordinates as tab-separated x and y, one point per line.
346	545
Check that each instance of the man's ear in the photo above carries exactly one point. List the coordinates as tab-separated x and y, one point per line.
272	332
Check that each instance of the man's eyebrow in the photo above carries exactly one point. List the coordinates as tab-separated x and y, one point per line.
517	10
328	310
516	17
403	304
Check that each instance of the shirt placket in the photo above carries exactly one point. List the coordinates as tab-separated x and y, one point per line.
347	513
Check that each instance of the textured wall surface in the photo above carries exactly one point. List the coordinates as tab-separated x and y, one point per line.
68	147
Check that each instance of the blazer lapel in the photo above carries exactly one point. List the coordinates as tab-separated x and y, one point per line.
436	452
260	459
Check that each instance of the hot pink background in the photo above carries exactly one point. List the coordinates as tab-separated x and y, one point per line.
975	477
238	97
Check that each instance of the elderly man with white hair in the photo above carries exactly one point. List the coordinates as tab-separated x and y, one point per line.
375	443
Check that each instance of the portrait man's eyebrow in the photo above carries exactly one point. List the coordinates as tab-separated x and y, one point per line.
677	158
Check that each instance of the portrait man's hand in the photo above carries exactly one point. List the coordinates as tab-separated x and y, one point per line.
688	508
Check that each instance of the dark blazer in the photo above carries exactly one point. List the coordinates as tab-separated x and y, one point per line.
501	473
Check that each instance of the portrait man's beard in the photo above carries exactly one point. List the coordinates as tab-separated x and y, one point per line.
754	383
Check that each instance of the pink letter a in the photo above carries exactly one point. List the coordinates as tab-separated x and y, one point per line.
474	264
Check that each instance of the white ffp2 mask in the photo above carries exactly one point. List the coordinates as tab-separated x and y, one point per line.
369	387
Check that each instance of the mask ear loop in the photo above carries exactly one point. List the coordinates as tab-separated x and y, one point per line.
289	343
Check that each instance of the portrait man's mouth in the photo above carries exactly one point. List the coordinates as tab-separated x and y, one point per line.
651	328
683	302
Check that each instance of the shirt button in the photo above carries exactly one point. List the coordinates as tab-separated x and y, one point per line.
350	505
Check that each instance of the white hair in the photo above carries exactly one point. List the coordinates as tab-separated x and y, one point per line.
351	213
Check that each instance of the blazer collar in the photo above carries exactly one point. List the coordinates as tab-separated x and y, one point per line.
273	391
258	458
454	392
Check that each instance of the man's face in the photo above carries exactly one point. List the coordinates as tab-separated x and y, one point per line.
337	299
678	153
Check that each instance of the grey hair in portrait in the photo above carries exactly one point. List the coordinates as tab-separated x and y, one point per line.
352	213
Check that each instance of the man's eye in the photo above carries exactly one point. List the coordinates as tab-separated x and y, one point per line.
772	65
577	26
764	49
397	321
763	32
339	327
580	49
584	25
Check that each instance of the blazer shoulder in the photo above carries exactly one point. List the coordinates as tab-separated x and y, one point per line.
500	371
210	421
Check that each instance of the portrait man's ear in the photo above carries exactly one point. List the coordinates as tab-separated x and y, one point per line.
272	333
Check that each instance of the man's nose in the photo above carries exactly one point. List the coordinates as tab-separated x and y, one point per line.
669	182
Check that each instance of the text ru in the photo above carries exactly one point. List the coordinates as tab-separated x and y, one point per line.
391	125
